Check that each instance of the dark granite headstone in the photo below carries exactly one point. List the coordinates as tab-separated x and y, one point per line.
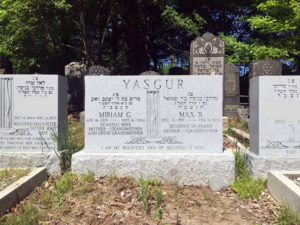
231	90
265	67
74	73
97	70
150	73
5	66
207	54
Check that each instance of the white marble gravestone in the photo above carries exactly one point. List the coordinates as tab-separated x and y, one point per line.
274	123
158	126
32	108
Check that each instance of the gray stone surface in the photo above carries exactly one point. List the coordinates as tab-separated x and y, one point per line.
186	169
260	165
17	191
231	90
217	183
30	159
74	73
243	112
284	190
207	54
153	114
32	108
150	72
97	70
82	118
268	67
275	116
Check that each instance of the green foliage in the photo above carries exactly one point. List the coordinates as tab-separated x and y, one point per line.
244	184
287	217
229	132
193	23
158	196
241	169
144	193
88	177
159	215
247	187
30	216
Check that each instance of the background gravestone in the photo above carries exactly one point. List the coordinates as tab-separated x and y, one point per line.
32	109
97	70
74	73
265	67
150	72
231	90
207	55
5	65
129	119
274	124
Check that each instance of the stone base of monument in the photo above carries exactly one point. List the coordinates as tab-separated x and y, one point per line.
260	165
184	169
30	159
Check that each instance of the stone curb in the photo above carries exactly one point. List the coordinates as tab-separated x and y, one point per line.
17	191
241	133
285	190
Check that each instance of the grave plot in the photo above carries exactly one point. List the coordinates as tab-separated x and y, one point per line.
164	127
32	108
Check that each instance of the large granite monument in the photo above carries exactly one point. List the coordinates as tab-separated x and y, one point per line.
207	55
231	90
265	67
274	124
32	108
160	127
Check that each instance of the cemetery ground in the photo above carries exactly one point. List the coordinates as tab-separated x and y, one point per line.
71	199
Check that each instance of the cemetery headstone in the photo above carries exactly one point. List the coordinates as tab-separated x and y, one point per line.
154	126
207	55
32	109
274	124
265	67
231	90
74	73
150	72
97	70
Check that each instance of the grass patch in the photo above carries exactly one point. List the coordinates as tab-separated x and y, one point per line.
238	123
9	176
88	177
244	184
30	215
287	217
76	135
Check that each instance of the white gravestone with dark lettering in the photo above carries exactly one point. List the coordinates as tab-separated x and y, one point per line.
274	123
154	125
207	55
32	108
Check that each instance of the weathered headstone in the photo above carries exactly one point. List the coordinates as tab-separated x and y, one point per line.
231	90
155	126
32	108
97	70
265	67
207	55
150	72
274	124
74	73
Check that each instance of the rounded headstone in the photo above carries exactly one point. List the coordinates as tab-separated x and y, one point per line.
97	70
149	73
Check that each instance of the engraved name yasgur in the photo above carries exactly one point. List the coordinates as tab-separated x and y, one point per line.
154	84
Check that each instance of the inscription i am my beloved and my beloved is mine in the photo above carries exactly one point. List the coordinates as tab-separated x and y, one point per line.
151	114
29	111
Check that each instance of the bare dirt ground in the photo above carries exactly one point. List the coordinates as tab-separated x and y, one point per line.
116	201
